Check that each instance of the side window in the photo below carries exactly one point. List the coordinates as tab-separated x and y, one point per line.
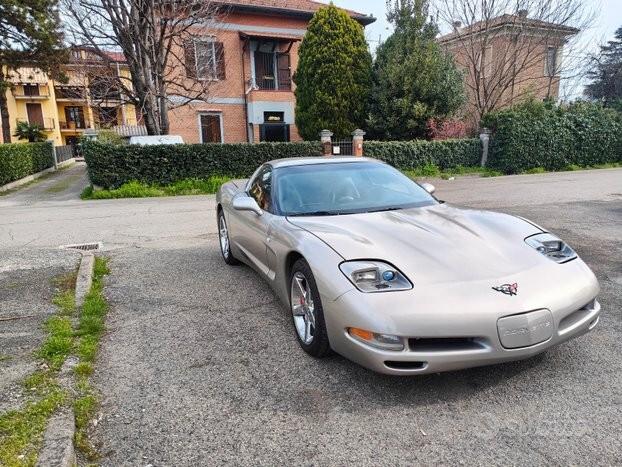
261	189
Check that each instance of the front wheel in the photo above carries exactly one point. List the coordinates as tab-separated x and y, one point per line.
225	244
307	311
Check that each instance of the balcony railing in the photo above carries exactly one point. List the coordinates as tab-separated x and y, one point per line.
74	125
31	92
70	93
102	95
46	124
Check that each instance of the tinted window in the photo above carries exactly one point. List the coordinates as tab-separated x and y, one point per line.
261	189
346	188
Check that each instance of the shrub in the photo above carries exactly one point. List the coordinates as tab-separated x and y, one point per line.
408	155
110	137
533	135
111	166
22	159
440	129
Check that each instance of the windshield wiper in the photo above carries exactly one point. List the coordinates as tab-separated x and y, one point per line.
385	209
313	213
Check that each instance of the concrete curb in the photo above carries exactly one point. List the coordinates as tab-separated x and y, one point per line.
85	277
58	448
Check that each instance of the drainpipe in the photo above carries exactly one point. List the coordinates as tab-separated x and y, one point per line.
244	95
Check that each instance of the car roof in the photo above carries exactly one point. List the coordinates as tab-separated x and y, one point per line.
297	161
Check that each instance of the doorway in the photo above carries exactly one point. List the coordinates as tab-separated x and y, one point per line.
274	129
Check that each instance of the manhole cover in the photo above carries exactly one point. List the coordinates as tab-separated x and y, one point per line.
83	246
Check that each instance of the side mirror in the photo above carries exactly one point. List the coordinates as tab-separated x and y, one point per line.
246	203
428	187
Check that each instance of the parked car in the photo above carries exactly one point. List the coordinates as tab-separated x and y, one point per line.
376	268
156	140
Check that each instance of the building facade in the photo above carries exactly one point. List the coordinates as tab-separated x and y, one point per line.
65	109
508	59
249	56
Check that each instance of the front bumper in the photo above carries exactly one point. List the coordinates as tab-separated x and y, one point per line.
450	327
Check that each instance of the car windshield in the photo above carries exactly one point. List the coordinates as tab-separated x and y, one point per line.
345	188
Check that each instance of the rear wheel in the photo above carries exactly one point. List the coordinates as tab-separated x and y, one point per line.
307	312
223	237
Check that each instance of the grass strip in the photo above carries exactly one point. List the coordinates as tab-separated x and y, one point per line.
21	431
431	170
134	189
90	329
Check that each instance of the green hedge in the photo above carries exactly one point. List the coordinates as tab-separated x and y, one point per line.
406	155
546	135
111	166
22	159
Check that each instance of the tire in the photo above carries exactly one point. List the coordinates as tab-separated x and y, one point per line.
308	317
223	240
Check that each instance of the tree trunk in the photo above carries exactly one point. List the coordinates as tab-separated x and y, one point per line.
4	110
164	120
150	111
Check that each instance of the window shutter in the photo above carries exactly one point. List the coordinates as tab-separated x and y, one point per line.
220	60
285	74
190	59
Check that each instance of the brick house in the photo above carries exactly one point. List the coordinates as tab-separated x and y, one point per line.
507	59
249	55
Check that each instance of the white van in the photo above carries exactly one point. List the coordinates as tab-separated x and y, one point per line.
154	140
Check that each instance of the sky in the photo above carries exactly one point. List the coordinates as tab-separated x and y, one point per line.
607	18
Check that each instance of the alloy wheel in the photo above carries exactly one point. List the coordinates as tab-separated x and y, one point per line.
224	236
303	308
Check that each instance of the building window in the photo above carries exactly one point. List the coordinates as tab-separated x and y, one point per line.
552	61
272	71
274	128
31	89
75	116
205	59
211	128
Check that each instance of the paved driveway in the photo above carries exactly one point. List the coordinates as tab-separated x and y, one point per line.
200	365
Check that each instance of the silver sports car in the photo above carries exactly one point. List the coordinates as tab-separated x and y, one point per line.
374	267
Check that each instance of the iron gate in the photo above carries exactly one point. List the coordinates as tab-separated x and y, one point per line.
342	147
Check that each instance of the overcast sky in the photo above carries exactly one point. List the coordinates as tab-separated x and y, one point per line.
608	15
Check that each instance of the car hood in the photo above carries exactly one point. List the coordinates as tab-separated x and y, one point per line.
433	244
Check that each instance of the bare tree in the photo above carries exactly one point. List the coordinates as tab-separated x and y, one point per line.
171	58
512	49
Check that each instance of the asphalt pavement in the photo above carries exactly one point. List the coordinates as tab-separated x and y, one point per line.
200	365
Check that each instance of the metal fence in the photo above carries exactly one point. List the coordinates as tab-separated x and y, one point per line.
342	147
64	153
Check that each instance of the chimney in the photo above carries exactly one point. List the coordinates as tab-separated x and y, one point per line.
522	13
457	25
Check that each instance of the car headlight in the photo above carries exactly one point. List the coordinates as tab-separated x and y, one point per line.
551	247
374	276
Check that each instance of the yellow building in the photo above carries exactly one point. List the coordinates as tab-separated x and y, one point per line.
88	99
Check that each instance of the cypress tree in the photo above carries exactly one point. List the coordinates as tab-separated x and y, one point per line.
333	79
